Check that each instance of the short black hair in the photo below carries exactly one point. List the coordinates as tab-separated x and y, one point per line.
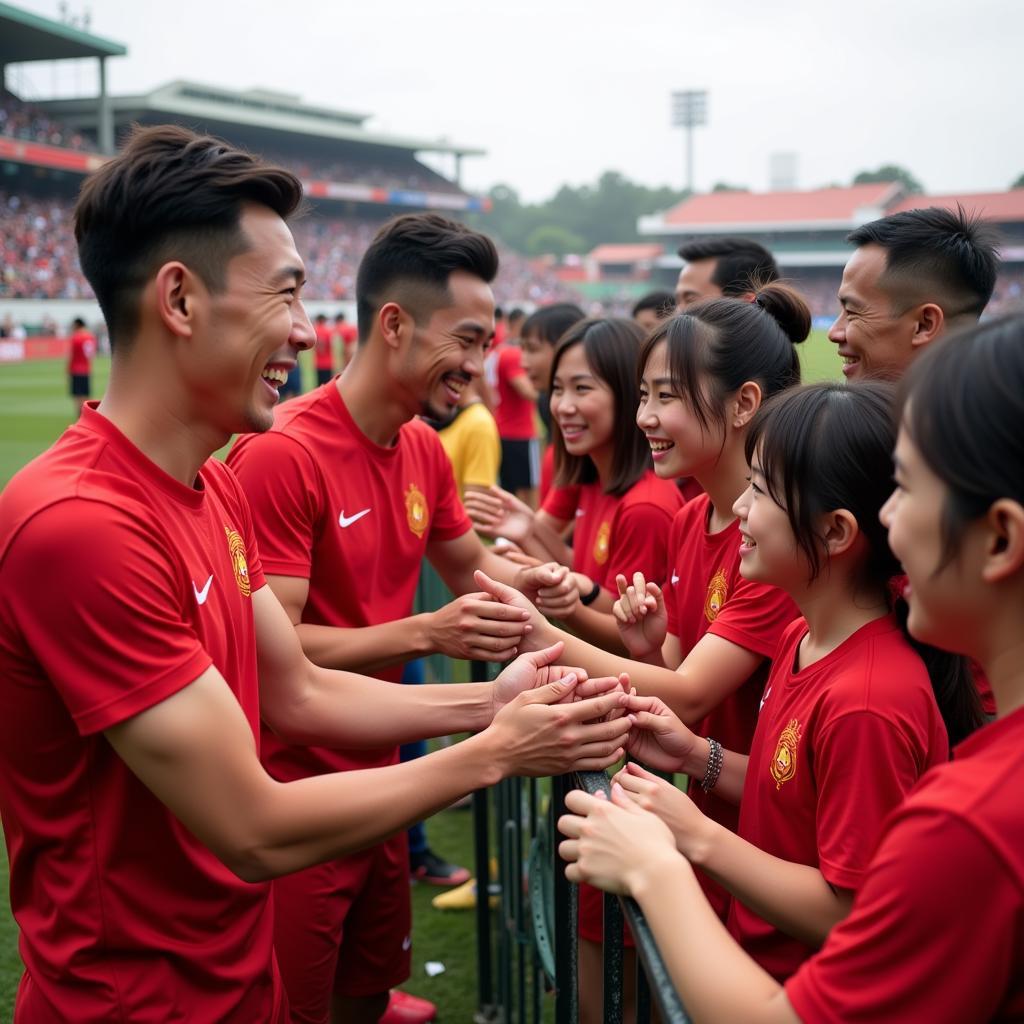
78	323
321	318
410	260
170	194
741	264
549	323
663	303
948	257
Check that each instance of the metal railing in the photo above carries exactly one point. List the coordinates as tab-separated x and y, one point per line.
526	909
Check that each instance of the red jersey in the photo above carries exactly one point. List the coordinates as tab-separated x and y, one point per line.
838	745
323	355
349	337
560	502
83	348
937	929
705	593
354	519
624	534
119	586
515	414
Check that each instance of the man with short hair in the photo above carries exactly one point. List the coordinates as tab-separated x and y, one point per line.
82	350
729	266
650	309
140	646
350	491
912	276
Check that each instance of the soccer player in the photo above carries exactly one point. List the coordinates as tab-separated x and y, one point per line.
716	267
140	645
347	337
323	352
350	491
934	933
83	348
913	276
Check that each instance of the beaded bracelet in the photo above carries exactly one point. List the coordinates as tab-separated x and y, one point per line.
715	757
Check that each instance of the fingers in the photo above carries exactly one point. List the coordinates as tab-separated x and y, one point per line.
499	591
569	850
596	707
580	804
547	656
597	687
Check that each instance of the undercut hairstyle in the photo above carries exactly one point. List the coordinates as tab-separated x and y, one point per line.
718	345
948	257
962	404
549	323
663	303
825	447
170	194
611	347
741	264
409	262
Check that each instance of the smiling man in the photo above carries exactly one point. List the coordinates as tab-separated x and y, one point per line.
350	492
913	276
140	645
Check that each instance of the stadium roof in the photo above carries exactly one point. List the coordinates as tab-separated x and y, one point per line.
735	212
1002	207
26	36
626	252
224	110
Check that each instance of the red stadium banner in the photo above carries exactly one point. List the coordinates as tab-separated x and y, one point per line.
15	351
41	155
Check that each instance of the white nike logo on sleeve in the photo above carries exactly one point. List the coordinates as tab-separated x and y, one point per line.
201	595
344	521
675	578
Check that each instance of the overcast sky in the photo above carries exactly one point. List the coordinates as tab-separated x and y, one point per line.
561	90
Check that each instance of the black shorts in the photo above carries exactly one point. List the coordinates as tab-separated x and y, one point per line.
520	464
80	385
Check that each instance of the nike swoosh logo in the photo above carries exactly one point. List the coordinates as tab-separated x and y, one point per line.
201	595
407	941
345	521
675	578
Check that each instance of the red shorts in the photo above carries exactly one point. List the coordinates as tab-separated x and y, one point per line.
591	917
344	928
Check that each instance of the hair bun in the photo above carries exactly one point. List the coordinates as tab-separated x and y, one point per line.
787	307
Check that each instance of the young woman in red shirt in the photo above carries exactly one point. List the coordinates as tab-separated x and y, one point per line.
622	510
934	933
850	718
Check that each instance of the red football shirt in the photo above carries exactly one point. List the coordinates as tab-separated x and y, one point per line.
937	929
354	519
119	586
515	414
323	355
83	348
705	593
624	534
837	746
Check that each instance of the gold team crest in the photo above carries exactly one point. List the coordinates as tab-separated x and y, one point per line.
783	766
416	510
718	591
601	543
236	549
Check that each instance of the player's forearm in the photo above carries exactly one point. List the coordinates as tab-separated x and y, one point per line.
328	816
368	648
321	714
716	980
549	539
795	898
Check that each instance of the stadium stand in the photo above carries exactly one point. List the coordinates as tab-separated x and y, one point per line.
806	231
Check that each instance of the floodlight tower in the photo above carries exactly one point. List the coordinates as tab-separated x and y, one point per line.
689	109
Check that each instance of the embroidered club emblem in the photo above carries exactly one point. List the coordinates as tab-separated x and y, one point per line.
601	543
236	549
783	766
416	510
718	591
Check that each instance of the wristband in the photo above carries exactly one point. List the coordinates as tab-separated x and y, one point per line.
592	596
715	757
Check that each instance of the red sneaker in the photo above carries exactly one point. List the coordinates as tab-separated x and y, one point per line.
433	870
404	1008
